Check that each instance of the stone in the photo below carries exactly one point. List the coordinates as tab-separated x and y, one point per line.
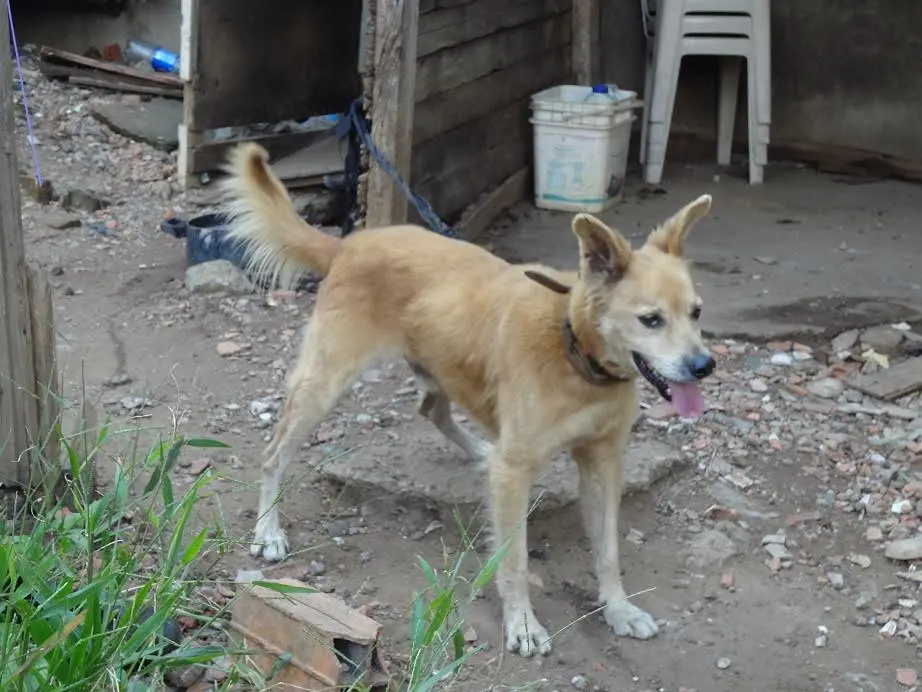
826	388
134	403
438	476
907	677
709	549
836	580
245	576
82	200
579	682
778	551
845	340
198	466
863	561
874	533
723	663
184	676
219	670
758	386
781	359
218	276
228	348
883	339
155	122
905	549
57	219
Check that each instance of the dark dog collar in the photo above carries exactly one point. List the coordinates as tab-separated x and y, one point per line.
587	366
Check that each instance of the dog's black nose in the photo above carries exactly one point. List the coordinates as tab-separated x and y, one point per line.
702	365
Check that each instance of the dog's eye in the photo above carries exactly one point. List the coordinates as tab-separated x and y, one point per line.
696	312
652	320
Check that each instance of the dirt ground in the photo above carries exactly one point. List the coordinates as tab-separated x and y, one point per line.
762	553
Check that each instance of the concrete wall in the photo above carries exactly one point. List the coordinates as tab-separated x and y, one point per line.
155	21
844	72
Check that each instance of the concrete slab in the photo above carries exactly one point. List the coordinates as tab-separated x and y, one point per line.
803	253
155	122
444	476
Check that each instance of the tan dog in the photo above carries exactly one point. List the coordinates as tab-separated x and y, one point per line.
543	360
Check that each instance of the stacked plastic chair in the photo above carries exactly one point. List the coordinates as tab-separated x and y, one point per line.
736	30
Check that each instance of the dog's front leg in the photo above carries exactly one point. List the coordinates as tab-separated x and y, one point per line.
511	477
600	494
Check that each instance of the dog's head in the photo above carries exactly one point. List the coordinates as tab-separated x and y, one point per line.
643	306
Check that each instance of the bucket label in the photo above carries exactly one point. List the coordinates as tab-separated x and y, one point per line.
568	173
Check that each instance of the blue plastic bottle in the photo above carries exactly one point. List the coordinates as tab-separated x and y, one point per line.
161	60
600	94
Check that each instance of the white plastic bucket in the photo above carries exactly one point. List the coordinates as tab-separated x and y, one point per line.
581	147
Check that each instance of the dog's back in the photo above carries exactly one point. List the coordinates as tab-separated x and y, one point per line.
441	303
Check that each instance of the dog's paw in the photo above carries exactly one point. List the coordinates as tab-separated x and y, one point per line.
273	546
525	635
627	620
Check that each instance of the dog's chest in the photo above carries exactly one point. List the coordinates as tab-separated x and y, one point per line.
595	421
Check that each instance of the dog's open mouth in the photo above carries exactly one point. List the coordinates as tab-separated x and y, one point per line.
685	397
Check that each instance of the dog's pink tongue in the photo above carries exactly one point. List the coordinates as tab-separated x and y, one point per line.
686	399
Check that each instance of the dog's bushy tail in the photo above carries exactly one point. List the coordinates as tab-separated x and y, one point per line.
279	244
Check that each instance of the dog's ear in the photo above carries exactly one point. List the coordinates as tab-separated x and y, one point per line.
604	253
670	237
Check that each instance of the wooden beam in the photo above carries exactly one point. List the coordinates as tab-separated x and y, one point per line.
484	211
392	106
584	55
19	414
46	463
189	138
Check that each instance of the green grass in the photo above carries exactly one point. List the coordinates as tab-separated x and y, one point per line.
89	592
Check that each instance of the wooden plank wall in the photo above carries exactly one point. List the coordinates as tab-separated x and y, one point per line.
273	60
479	62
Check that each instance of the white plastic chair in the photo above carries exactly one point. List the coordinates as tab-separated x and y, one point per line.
734	29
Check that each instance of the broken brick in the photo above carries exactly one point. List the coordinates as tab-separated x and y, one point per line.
330	644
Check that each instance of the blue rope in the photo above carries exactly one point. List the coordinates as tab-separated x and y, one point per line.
355	123
36	160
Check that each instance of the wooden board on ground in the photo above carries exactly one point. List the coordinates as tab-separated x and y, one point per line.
211	156
309	165
479	215
62	58
892	383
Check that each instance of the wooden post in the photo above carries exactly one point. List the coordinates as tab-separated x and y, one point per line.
28	380
189	137
584	41
18	405
392	106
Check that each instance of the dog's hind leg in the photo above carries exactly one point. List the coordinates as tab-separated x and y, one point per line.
331	358
435	405
600	495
